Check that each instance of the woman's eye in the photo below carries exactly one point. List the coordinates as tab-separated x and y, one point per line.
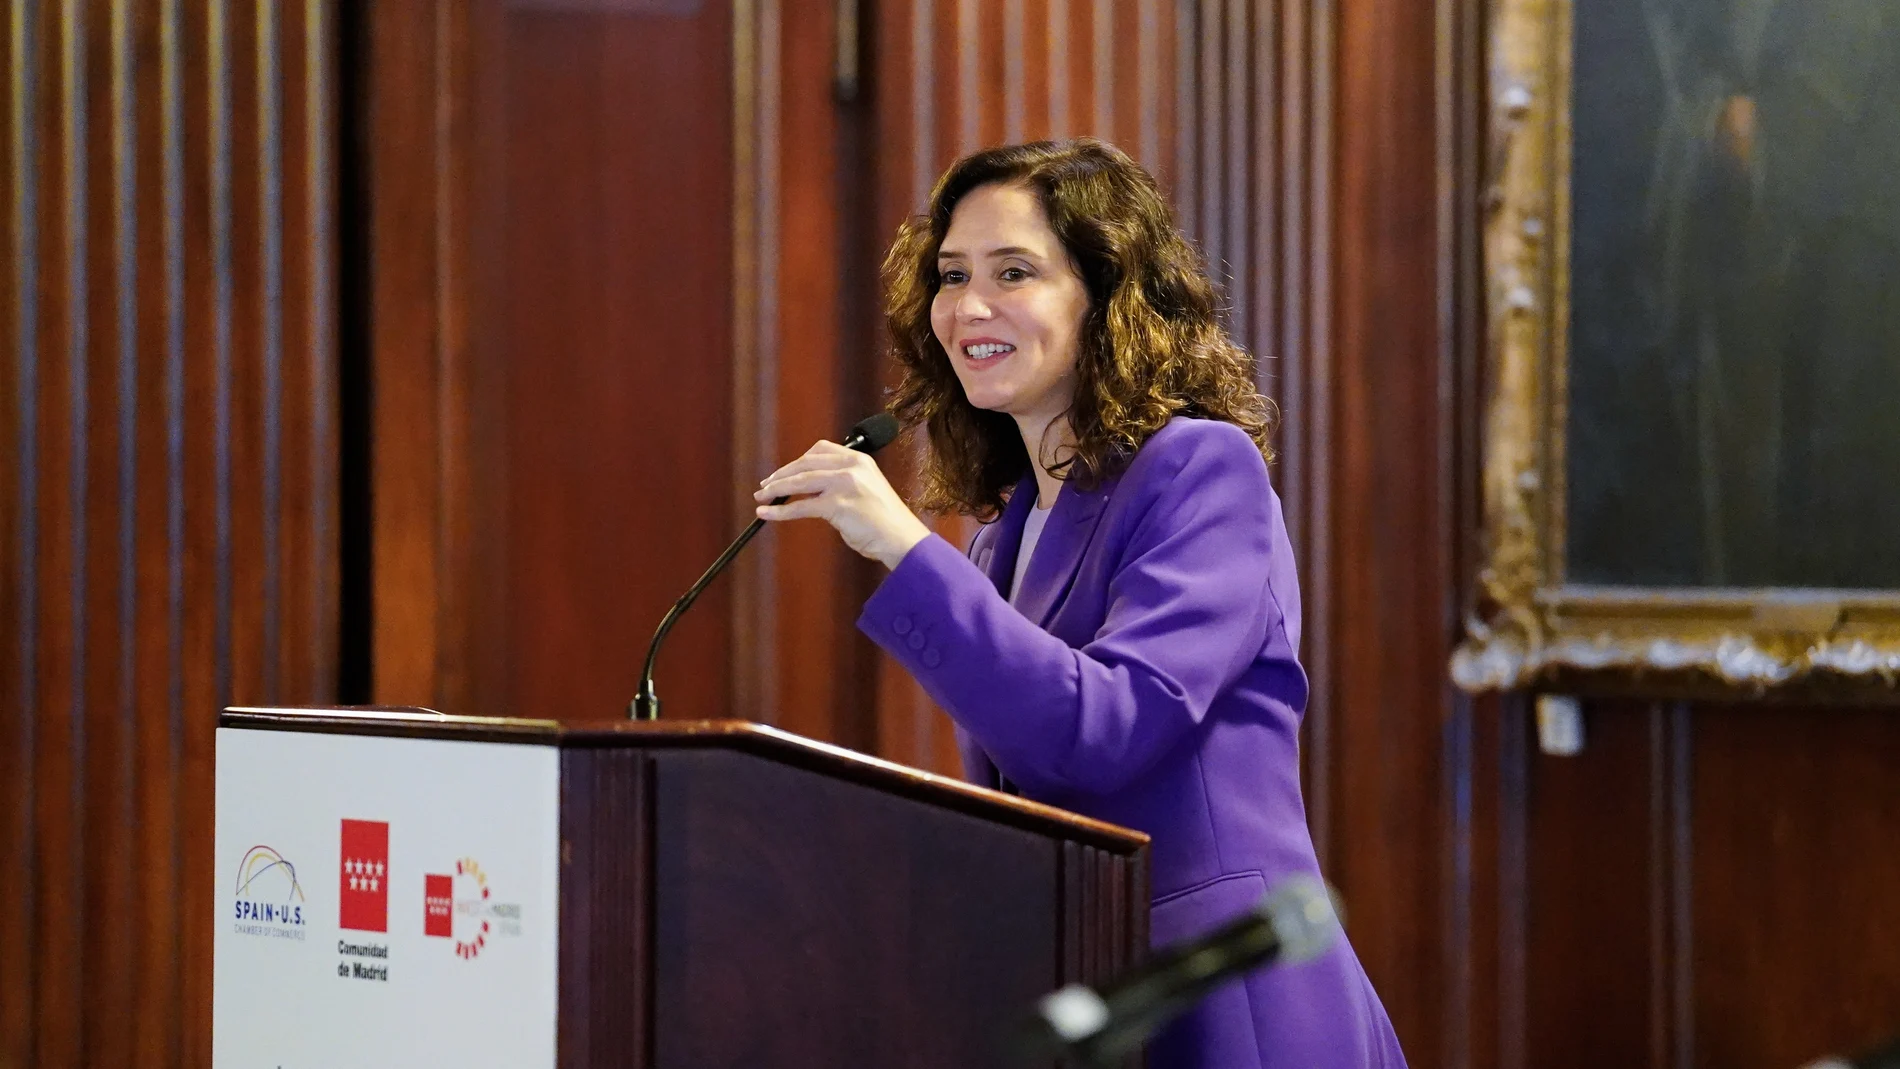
1014	274
954	277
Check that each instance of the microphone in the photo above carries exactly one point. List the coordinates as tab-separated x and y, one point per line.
1291	923
870	435
1887	1057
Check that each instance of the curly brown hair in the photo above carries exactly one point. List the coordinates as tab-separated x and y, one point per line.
1151	345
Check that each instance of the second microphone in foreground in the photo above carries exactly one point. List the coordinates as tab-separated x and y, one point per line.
1292	923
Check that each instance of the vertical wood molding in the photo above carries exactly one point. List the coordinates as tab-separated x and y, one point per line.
218	145
163	771
425	83
1260	189
1671	887
1458	98
1456	867
321	295
969	53
1513	882
756	84
1681	1008
907	120
1206	179
451	157
1236	103
405	350
124	352
1300	370
923	111
65	409
270	165
19	608
145	506
1148	76
1181	189
750	628
824	376
1383	587
246	349
1102	68
1659	889
306	537
1060	118
1014	76
1461	117
111	725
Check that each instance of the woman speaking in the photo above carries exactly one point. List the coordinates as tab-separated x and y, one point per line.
1122	639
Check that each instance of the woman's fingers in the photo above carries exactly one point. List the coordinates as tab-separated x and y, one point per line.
804	508
803	482
824	456
803	471
845	489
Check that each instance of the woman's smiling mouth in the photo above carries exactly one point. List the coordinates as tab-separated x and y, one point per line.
985	350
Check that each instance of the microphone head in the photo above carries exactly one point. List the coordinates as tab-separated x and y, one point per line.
873	433
1303	917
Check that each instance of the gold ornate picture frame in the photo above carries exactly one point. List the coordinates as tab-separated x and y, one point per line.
1532	626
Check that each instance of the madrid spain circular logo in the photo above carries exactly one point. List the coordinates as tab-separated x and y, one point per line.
471	908
458	908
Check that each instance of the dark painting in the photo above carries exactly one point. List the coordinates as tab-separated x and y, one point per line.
1734	347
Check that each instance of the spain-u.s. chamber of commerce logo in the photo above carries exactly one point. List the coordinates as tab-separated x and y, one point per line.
268	900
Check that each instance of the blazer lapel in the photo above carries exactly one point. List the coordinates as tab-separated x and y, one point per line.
994	551
997	555
1058	554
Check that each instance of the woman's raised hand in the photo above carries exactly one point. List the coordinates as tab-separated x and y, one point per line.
845	489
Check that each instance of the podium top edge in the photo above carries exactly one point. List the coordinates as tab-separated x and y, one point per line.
384	720
744	735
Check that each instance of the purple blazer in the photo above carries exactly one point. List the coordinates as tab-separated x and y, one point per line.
1151	679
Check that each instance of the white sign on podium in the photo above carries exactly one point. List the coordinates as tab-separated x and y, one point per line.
384	902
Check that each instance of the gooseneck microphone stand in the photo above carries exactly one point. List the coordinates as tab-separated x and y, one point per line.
870	435
646	703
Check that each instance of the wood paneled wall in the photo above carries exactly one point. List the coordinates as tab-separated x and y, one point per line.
1705	884
168	490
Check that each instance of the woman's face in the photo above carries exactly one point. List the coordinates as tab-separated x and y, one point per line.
1010	306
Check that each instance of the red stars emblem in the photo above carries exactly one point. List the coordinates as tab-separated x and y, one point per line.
438	906
363	892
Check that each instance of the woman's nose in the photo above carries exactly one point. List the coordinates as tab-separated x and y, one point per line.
971	306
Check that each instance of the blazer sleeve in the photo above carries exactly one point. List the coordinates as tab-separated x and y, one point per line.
1188	609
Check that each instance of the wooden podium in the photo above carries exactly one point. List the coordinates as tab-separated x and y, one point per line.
727	894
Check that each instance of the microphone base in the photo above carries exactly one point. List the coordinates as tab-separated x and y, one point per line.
644	707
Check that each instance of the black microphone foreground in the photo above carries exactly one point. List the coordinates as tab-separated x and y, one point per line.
1887	1057
1293	922
869	435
